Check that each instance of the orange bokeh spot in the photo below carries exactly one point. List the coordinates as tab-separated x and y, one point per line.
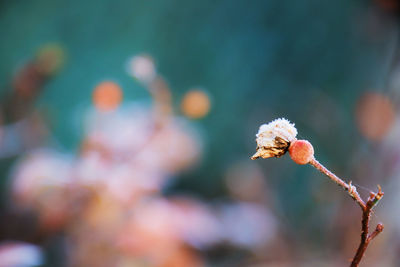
375	115
195	104
107	96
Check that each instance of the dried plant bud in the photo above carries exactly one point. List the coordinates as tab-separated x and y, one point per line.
273	139
301	151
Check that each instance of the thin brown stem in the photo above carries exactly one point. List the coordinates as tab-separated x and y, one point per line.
347	187
365	238
365	207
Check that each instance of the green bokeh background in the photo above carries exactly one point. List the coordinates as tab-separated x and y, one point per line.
258	60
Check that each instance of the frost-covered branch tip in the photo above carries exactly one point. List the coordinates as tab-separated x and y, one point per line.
279	136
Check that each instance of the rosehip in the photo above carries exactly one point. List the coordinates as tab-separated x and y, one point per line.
301	151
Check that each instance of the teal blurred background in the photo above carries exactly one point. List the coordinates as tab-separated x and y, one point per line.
259	60
308	61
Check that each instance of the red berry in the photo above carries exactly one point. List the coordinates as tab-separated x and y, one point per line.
301	151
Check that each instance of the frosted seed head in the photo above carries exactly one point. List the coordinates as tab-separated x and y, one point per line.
273	139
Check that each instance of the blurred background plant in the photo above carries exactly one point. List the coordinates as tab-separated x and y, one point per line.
127	127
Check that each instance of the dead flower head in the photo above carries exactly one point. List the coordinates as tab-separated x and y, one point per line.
273	139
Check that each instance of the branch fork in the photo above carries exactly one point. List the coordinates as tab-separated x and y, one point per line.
366	208
279	136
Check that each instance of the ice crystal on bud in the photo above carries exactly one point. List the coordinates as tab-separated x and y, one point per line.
273	139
